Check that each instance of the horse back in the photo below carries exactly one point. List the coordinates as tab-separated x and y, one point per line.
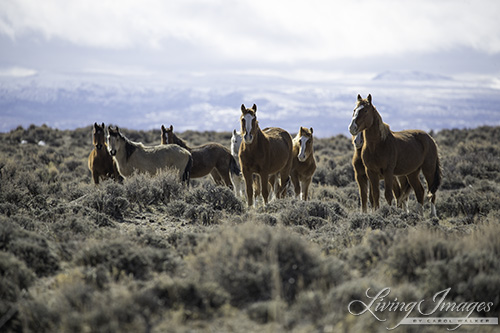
413	148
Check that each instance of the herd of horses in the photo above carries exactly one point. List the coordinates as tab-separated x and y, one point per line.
263	162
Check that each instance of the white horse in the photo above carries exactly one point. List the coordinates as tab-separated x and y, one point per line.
238	180
134	156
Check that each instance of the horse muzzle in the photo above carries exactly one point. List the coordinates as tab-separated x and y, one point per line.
353	128
302	157
248	138
112	152
98	146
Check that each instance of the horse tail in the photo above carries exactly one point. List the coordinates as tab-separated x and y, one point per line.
436	182
187	171
233	166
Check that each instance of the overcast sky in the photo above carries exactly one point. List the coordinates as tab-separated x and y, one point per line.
148	37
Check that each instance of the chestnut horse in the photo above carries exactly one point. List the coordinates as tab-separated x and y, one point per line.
265	153
387	154
133	156
100	162
400	187
303	165
211	158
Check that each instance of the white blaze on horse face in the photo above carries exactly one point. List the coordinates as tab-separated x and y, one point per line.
302	150
353	128
248	128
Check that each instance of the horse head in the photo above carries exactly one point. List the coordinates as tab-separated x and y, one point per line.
98	136
114	137
249	124
306	143
362	117
235	143
167	135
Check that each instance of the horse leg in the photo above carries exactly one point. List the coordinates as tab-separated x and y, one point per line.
362	181
304	185
415	183
432	174
374	186
248	176
389	184
264	181
296	184
404	192
95	176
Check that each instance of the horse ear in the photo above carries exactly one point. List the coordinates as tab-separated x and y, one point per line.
243	108
254	108
163	129
171	127
103	127
369	98
311	129
359	97
234	132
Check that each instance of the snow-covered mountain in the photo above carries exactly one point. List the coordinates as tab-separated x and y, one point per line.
212	102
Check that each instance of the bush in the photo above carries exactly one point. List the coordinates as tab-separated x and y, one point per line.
252	263
120	256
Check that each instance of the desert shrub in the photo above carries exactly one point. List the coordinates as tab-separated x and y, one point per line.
202	214
372	249
253	263
413	252
197	300
108	199
472	201
30	247
121	256
313	213
266	311
15	277
215	197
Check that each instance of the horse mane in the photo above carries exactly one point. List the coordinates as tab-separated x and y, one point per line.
383	127
129	148
180	142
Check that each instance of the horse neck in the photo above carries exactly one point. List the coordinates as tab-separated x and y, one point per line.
180	142
377	132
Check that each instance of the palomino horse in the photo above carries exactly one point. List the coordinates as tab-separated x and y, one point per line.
133	156
387	154
265	153
100	162
400	186
210	158
238	181
304	165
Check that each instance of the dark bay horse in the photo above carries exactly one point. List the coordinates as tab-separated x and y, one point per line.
303	165
400	186
265	153
211	158
134	156
387	154
100	162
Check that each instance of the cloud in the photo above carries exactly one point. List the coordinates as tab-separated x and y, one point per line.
270	30
17	72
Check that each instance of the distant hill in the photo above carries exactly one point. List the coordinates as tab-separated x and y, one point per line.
410	76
